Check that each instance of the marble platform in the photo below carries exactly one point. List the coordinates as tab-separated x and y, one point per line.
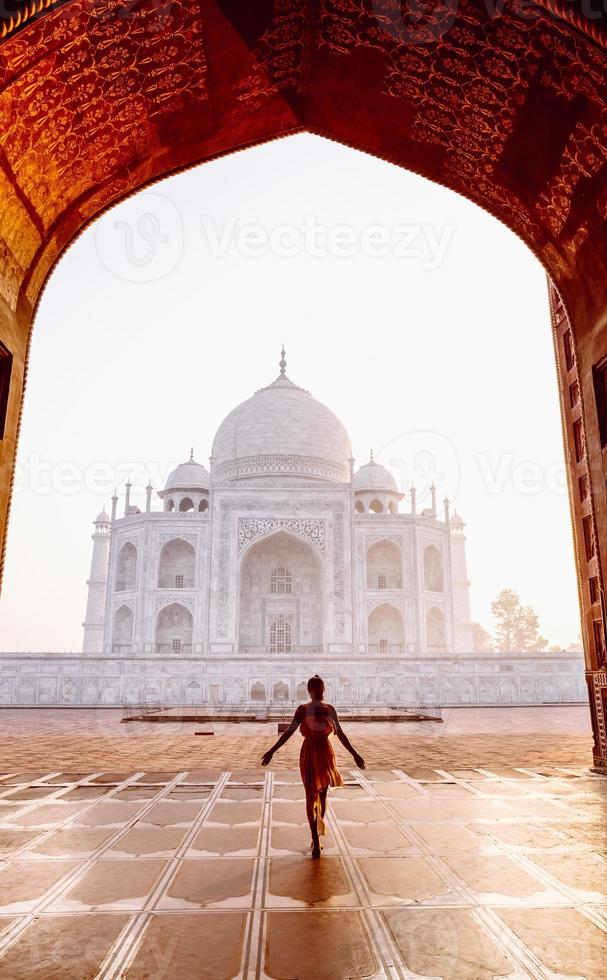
461	873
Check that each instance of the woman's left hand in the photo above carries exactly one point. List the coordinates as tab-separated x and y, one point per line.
360	762
267	758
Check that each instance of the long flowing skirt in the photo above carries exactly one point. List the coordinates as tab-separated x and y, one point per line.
318	770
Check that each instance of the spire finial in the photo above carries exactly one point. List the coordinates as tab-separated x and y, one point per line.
192	455
371	459
282	363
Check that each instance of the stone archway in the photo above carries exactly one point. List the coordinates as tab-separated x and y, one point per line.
386	631
276	573
174	627
505	109
176	565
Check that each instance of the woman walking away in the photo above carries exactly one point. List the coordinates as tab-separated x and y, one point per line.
317	721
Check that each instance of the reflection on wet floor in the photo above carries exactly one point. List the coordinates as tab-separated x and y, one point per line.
466	874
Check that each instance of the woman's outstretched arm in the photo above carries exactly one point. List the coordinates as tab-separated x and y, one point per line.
295	723
343	738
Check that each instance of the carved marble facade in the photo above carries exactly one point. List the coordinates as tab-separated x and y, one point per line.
280	549
27	679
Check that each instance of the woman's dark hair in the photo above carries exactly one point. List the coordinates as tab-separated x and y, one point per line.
316	687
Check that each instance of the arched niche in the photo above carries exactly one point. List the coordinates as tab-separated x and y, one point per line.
261	609
384	566
174	628
386	631
177	565
122	630
126	568
435	629
434	578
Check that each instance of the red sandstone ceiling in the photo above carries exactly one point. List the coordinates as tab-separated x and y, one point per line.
99	97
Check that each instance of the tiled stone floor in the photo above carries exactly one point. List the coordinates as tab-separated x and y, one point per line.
459	873
93	738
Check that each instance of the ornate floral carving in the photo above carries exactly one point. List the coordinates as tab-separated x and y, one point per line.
238	505
251	528
277	463
175	599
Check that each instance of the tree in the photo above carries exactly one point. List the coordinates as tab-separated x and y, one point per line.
576	647
482	641
517	627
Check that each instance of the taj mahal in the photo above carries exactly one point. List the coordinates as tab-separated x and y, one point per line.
280	550
281	560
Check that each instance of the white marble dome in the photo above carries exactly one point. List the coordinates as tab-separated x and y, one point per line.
282	431
188	476
374	477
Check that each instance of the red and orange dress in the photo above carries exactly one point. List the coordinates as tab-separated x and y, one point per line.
317	763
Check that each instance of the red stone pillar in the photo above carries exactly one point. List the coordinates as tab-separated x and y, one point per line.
586	463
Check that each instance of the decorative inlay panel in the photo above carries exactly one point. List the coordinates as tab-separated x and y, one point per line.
279	464
251	528
336	588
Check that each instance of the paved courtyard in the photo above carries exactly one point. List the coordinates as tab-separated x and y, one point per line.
69	738
475	870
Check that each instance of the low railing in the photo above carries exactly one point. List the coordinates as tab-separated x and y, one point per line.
272	710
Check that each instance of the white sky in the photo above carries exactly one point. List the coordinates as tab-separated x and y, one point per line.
141	347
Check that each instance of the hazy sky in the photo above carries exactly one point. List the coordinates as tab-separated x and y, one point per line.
420	320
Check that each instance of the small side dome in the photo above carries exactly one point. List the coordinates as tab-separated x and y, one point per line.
187	476
373	476
457	521
102	518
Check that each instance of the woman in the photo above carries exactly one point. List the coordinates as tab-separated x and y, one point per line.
317	721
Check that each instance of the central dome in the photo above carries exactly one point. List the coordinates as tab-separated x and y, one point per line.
281	431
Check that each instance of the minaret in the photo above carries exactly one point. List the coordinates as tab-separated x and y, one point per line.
97	582
462	626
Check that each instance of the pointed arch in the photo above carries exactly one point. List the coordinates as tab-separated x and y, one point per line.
434	578
177	565
122	630
386	630
280	595
126	568
302	691
384	566
174	628
258	691
435	629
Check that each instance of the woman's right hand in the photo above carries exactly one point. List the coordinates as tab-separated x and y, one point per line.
360	762
267	758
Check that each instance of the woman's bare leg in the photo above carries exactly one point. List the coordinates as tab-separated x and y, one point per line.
311	813
323	801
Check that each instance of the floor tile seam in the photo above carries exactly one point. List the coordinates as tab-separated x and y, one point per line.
453	880
442	869
528	794
5	796
594	915
251	964
404	778
86	806
123	953
506	940
516	818
146	805
173	864
378	933
513	853
12	936
542	876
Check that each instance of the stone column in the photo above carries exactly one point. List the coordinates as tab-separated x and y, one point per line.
97	584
